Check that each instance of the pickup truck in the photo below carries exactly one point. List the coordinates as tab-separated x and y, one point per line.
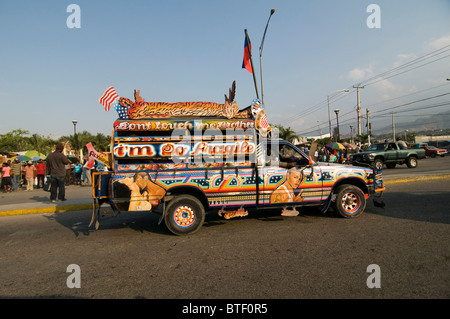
390	154
187	159
431	151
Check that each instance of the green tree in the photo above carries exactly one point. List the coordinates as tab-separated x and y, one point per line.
100	142
286	133
14	141
41	144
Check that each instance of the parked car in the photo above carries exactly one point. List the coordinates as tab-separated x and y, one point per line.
431	151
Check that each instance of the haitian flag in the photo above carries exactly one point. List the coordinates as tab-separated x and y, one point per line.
247	49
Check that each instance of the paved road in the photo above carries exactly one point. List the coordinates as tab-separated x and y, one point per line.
264	255
426	167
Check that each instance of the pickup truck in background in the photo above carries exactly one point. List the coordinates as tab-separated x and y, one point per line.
389	154
431	151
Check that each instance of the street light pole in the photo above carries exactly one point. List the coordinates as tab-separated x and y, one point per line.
74	122
337	121
260	55
351	134
328	98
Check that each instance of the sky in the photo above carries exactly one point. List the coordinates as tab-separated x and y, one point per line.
55	62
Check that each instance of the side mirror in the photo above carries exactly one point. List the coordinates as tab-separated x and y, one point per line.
311	163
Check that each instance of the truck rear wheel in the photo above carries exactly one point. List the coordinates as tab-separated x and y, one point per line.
350	201
184	215
411	162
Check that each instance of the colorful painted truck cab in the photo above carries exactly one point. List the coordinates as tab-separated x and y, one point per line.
216	158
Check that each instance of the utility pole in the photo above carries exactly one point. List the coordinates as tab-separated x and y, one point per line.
393	127
358	109
368	126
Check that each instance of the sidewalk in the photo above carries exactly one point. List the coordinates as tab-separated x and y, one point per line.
38	201
80	197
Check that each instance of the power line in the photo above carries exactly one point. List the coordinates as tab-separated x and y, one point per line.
388	112
413	102
409	94
380	77
408	64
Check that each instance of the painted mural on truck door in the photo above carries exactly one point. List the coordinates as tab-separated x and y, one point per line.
289	177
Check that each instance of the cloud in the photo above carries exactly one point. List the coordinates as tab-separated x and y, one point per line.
360	74
386	89
403	58
439	43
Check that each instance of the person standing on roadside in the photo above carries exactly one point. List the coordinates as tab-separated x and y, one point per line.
16	170
56	166
41	170
77	170
5	174
30	174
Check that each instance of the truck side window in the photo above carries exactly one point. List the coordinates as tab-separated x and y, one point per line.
290	155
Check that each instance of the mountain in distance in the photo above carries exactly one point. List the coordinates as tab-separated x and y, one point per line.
433	123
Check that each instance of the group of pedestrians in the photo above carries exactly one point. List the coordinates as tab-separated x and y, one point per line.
56	168
12	173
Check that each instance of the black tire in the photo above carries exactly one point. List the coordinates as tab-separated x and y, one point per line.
378	163
433	155
184	215
350	201
411	162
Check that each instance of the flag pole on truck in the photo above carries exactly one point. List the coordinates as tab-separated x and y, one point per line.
260	55
248	61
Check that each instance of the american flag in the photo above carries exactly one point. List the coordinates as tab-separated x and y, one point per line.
108	98
121	111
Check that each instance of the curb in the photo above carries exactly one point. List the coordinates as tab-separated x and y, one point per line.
416	179
52	209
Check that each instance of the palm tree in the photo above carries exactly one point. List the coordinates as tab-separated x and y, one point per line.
287	134
101	142
40	143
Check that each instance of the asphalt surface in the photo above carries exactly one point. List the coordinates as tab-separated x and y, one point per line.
80	197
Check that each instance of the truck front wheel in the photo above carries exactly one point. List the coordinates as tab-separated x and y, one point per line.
378	163
350	201
184	215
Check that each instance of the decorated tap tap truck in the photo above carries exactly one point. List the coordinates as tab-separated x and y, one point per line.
184	160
